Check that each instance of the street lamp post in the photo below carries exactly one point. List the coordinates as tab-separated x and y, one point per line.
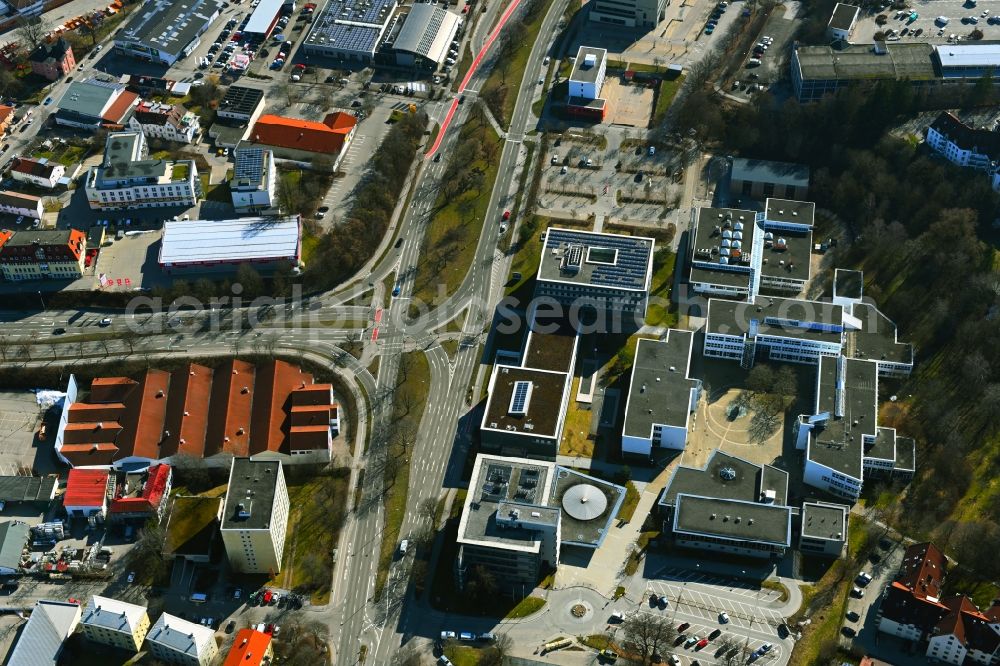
41	299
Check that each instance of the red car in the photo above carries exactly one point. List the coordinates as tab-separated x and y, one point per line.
74	601
267	596
506	215
300	66
702	643
684	625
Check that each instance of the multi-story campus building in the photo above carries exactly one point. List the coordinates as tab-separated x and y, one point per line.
128	178
255	517
662	395
629	13
115	623
529	396
730	506
519	514
739	253
762	179
607	272
823	529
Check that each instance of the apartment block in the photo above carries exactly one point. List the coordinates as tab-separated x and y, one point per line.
128	178
16	203
662	395
115	623
255	516
177	641
56	254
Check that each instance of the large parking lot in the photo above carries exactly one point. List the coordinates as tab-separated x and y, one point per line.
925	28
20	418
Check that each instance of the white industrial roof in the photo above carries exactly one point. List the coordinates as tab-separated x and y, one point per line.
969	55
263	16
427	31
245	239
50	624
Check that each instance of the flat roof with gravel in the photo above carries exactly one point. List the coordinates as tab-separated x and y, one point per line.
821	520
777	317
859	62
733	519
837	443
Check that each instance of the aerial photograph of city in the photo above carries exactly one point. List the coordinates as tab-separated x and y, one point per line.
499	332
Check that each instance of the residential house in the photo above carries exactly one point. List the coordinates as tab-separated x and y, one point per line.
39	172
250	648
52	60
16	203
6	119
170	122
966	146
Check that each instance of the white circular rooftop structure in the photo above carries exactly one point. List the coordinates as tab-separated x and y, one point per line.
584	502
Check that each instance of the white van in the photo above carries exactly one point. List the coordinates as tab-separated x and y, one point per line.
404	546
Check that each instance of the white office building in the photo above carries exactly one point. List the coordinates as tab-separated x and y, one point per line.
662	395
128	178
253	183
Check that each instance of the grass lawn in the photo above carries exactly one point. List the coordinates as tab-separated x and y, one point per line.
527	606
777	587
630	503
576	439
515	68
415	383
660	311
307	563
462	655
665	97
450	347
596	641
67	155
309	244
453	233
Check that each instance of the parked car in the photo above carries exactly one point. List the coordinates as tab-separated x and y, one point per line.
724	617
853	616
447	635
106	321
715	634
863	579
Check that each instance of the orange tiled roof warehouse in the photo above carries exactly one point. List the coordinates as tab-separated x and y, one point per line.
237	408
328	136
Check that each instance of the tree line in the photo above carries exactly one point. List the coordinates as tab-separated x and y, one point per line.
345	248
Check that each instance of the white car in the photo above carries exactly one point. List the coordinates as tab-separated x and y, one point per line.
724	617
131	577
106	321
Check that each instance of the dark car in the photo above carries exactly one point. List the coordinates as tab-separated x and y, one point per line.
231	626
853	616
437	157
654	599
875	558
461	100
638	177
683	626
397	289
680	639
331	79
884	543
848	631
58	331
715	634
783	630
399	241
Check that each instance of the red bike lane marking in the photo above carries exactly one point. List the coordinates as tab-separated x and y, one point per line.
468	75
